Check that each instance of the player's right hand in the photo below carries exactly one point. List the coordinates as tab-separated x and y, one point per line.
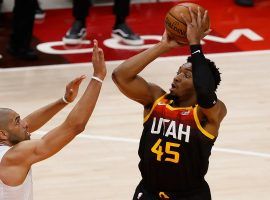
98	60
195	27
72	88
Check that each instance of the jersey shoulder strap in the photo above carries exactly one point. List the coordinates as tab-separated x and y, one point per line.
161	100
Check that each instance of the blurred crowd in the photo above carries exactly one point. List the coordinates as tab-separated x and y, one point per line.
26	11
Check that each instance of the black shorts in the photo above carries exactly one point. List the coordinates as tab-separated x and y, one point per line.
141	193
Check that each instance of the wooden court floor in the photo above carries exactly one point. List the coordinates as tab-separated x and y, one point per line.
101	164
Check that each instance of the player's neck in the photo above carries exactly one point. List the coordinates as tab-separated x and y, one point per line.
182	102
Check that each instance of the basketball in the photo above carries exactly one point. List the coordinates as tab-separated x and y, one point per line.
175	25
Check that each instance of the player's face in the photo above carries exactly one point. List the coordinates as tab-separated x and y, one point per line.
17	129
182	84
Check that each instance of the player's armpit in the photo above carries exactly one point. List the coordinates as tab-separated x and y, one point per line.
20	153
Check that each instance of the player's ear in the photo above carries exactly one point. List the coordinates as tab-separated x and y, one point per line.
3	135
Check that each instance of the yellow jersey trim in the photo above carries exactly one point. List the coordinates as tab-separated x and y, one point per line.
153	107
206	133
178	108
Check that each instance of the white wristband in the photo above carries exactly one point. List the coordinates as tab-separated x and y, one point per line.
97	79
64	99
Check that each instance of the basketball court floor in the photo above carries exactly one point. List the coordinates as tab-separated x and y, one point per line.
101	163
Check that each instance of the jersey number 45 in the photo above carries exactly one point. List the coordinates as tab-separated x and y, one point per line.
170	154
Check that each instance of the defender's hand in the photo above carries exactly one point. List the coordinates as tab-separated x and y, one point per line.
195	28
99	65
72	88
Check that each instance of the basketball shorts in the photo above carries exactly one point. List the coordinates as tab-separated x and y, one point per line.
141	193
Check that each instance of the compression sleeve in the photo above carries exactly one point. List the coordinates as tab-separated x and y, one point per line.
203	79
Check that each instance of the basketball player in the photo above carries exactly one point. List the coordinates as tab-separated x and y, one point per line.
18	153
180	127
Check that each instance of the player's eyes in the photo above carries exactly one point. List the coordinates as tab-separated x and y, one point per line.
187	75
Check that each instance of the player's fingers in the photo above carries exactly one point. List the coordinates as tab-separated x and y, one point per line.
185	19
207	32
101	53
95	44
192	15
79	78
164	35
199	17
80	81
95	50
205	16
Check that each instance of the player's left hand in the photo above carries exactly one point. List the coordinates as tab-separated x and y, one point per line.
169	42
195	27
72	88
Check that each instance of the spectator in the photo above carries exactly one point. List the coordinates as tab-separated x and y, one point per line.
121	30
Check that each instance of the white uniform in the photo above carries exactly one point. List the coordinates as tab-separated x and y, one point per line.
20	192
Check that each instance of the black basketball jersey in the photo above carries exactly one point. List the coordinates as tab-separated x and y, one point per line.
174	149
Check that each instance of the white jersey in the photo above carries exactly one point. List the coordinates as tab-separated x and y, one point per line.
20	192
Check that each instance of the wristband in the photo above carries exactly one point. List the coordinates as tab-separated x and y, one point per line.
64	99
195	49
97	79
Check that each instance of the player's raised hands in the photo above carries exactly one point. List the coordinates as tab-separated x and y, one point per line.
196	27
100	70
72	88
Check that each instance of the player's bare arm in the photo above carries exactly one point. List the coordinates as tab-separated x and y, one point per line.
41	116
205	93
134	86
18	160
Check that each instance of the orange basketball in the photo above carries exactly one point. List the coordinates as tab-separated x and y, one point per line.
175	25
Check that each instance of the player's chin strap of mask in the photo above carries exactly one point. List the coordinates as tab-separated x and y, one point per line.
203	79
